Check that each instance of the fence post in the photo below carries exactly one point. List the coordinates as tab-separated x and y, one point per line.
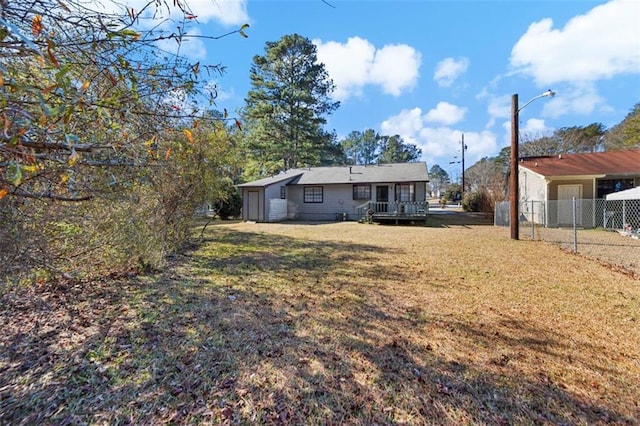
624	214
533	222
575	228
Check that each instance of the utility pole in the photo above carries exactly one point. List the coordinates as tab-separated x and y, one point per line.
514	184
464	148
513	171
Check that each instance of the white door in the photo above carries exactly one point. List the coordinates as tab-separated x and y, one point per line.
566	193
253	208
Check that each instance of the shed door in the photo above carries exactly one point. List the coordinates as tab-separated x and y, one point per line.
566	193
253	207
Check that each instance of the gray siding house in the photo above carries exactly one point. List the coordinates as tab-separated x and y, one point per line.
330	193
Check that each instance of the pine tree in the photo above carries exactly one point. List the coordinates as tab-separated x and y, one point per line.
286	105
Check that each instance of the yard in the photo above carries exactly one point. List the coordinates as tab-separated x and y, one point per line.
339	323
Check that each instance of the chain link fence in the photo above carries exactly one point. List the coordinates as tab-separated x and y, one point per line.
607	230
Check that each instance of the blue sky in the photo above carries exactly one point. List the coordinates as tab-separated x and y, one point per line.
432	70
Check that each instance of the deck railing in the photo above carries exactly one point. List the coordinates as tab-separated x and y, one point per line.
393	208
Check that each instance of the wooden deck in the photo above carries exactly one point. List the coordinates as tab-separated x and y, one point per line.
398	217
414	211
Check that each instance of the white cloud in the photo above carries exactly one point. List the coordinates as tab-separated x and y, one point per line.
169	17
439	144
407	123
442	145
531	129
410	121
599	44
499	107
213	86
357	63
449	69
445	113
191	47
226	12
410	125
480	145
578	99
534	126
395	68
347	64
178	99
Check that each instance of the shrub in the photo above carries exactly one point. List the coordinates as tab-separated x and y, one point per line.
231	206
453	193
478	201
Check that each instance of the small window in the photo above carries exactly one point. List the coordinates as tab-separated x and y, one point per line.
283	192
313	194
361	192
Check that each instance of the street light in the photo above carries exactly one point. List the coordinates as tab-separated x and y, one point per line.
513	181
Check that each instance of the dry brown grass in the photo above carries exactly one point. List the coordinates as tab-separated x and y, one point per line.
333	324
609	247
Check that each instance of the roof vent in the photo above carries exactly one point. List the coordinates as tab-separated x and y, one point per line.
560	156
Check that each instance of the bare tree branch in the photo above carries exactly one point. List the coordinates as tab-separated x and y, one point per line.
21	193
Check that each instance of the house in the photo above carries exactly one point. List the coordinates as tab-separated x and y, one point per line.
336	193
547	185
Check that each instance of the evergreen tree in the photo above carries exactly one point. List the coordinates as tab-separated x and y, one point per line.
394	150
577	139
361	147
286	106
439	178
625	135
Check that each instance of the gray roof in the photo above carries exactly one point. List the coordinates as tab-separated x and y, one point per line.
376	173
288	175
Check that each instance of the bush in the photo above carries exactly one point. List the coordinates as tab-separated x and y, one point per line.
44	239
478	201
231	207
453	193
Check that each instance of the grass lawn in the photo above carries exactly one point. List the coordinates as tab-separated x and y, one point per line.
339	323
